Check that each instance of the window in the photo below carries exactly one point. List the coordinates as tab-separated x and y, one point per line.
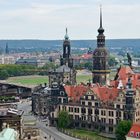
96	104
111	113
83	118
103	120
89	111
44	109
83	103
103	113
77	110
76	117
70	109
92	97
61	93
110	121
83	110
118	114
96	112
110	129
86	97
59	100
137	134
118	106
132	133
89	104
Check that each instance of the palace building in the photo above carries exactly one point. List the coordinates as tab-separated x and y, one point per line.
97	106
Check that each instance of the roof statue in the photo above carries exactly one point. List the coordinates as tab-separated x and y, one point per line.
129	59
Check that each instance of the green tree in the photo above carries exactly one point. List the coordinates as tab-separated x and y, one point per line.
122	129
3	74
112	61
89	65
63	119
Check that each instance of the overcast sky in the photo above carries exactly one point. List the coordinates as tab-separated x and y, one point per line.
47	19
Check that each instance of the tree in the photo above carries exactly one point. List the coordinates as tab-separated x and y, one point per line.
63	119
3	74
89	65
122	129
112	61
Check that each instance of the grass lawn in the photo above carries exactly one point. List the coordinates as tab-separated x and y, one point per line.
37	79
29	80
89	134
83	78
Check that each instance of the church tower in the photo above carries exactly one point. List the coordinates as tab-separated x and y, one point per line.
7	49
66	58
100	57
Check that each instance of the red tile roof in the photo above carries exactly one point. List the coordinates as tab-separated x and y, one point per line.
75	92
124	72
135	129
102	92
123	75
105	93
87	56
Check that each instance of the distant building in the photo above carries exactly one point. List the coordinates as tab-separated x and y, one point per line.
14	91
85	58
31	61
30	130
27	61
7	59
13	118
8	134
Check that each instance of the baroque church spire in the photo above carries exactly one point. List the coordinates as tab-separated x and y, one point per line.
100	57
101	37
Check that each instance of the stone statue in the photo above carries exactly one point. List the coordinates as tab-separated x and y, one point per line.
129	59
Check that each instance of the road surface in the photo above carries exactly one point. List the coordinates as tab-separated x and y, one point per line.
51	133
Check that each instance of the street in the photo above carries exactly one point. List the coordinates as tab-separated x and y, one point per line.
51	133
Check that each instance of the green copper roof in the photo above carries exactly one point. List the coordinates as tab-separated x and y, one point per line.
8	134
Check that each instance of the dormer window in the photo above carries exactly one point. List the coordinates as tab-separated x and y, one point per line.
61	93
137	134
131	133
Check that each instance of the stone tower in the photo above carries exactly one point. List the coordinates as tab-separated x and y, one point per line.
100	57
66	58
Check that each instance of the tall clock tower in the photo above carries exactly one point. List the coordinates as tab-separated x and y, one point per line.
100	58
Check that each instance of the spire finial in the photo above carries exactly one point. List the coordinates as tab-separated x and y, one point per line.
100	16
66	36
101	30
66	30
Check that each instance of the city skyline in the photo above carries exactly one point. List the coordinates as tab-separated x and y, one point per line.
45	19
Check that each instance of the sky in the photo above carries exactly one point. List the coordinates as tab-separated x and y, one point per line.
47	19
